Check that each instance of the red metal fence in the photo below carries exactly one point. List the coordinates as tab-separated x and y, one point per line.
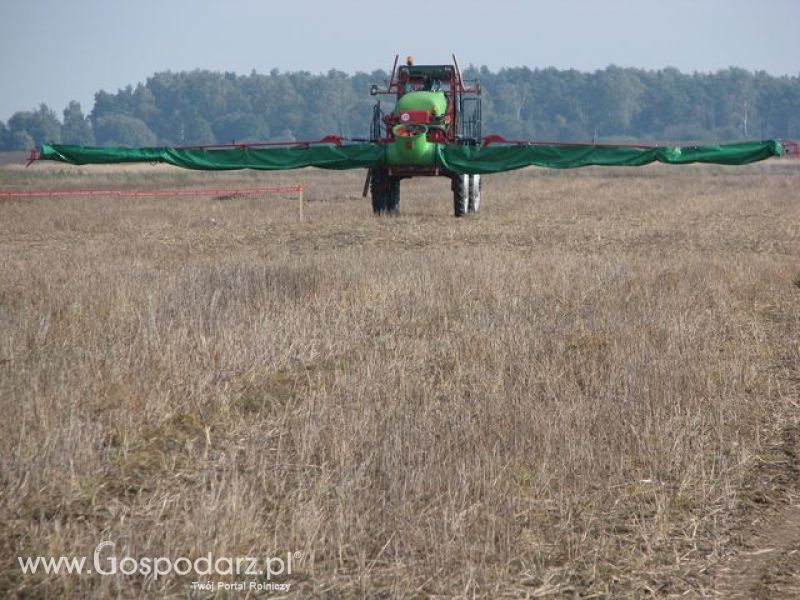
154	193
253	191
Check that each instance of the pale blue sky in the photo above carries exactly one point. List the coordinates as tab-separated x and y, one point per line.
55	51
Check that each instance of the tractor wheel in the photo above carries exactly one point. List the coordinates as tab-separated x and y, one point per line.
393	195
474	193
460	194
378	189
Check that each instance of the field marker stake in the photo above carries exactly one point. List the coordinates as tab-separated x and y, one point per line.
300	198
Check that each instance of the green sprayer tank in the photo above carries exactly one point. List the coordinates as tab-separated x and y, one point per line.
433	102
411	146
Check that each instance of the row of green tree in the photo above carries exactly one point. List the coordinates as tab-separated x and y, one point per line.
613	104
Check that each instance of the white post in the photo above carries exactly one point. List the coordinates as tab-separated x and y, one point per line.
300	199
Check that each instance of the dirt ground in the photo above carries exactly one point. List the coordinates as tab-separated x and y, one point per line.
588	390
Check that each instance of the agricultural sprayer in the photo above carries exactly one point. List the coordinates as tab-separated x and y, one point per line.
432	129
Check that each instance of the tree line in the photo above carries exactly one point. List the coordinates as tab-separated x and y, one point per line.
609	105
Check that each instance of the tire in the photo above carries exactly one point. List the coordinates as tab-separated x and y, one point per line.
475	184
385	192
377	188
460	184
393	196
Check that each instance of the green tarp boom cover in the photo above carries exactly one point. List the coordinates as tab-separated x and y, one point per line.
267	158
456	158
491	159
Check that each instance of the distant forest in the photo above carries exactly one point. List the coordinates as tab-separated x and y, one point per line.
610	105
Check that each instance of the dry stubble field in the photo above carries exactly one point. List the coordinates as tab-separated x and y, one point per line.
590	390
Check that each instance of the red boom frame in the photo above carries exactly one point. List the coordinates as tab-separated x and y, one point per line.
400	82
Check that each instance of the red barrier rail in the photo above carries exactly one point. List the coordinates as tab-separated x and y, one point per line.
154	193
499	139
290	189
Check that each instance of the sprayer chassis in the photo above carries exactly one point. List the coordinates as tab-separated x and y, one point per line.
433	106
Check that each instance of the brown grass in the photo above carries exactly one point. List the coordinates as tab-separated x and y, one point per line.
561	396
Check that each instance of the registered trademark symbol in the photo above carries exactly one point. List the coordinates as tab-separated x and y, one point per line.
298	555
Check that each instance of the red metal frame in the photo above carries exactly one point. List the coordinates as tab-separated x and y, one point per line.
154	193
397	87
499	139
328	139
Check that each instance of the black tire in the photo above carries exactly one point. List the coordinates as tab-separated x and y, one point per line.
475	184
377	188
385	192
393	196
460	185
